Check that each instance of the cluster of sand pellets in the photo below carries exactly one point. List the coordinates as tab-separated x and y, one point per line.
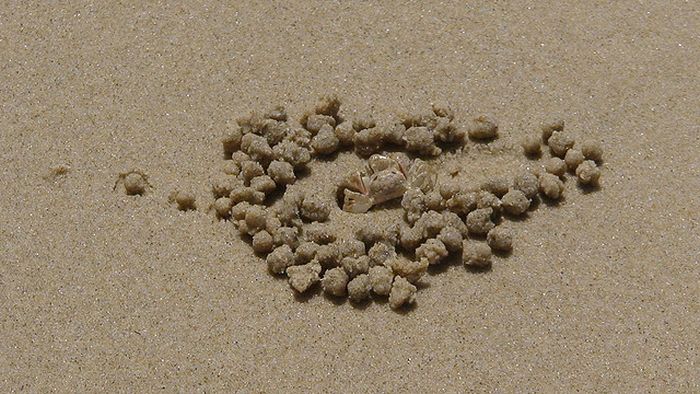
265	154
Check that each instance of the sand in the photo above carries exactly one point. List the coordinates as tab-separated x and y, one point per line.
100	291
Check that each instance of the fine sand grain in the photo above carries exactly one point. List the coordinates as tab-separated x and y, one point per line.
104	290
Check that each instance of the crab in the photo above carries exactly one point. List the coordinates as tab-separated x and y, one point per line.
387	177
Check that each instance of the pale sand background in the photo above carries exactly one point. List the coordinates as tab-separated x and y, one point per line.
104	292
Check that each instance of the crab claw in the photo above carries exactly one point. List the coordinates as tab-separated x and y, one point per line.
422	176
355	183
356	202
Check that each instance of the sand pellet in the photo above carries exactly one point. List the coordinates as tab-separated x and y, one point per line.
500	239
305	252
555	166
451	238
560	142
476	254
531	146
135	184
483	128
314	208
551	186
592	150
280	258
479	221
185	200
355	265
432	250
380	278
409	269
402	293
379	253
496	185
515	202
263	242
359	288
550	127
222	207
573	159
335	282
303	277
527	183
588	173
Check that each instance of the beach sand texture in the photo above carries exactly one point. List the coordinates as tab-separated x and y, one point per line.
100	291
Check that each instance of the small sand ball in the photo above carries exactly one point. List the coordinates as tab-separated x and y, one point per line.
379	253
527	183
325	142
263	242
368	141
239	157
292	153
409	269
281	172
184	200
486	199
228	167
256	218
449	188
421	141
531	146
373	234
314	123
500	238
380	278
286	236
222	207
497	185
410	238
314	208
451	219
305	252
573	159
350	247
430	224
432	250
359	288
272	224
479	221
135	184
588	173
551	186
550	127
434	201
462	203
345	133
257	147
321	234
232	141
555	166
263	183
413	203
515	202
451	238
476	254
483	128
302	277
239	210
402	293
328	255
245	193
592	150
363	121
335	282
250	169
560	143
355	265
446	131
222	185
280	258
277	113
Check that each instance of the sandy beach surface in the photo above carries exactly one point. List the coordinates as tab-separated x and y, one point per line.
100	291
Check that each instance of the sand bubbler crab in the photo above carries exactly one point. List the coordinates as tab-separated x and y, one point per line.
387	177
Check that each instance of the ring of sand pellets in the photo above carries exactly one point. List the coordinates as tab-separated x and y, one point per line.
266	153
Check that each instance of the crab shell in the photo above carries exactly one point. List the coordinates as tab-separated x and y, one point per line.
389	178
